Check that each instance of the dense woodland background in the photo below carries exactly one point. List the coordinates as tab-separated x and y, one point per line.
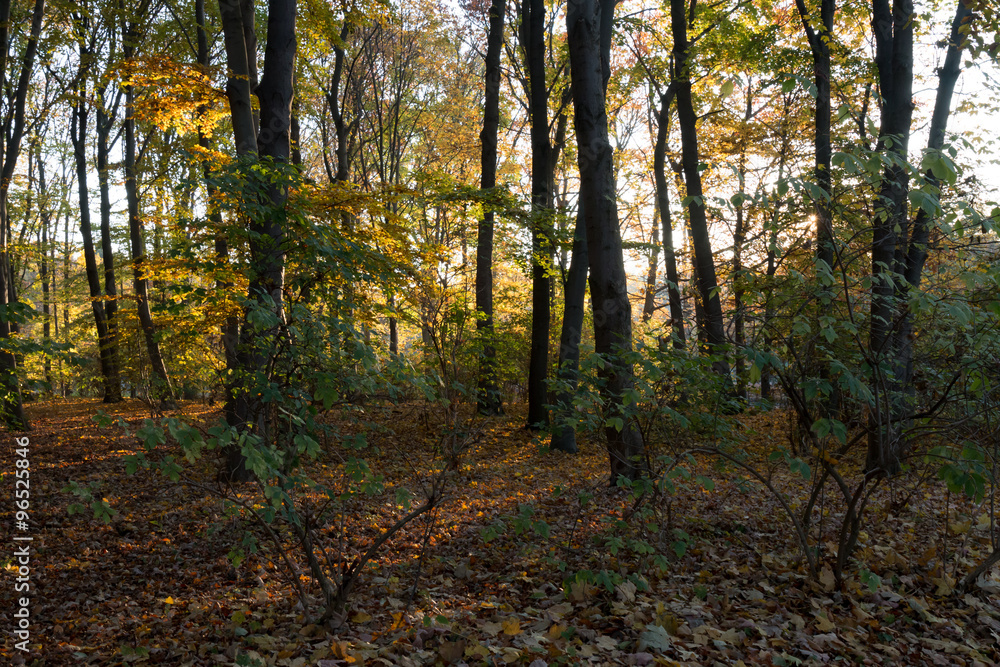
648	227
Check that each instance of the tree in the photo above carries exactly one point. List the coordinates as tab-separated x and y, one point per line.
161	386
608	281
533	43
272	145
899	248
704	261
86	36
488	396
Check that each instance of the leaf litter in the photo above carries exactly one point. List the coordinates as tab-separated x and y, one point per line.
155	587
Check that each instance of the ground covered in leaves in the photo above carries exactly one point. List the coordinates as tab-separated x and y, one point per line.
531	559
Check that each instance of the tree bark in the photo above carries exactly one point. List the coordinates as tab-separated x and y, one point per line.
11	404
78	136
704	261
575	294
45	219
488	396
911	265
105	121
666	219
533	25
608	281
267	232
161	386
230	329
893	31
649	296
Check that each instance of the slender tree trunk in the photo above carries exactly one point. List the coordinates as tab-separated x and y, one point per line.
575	294
819	38
704	261
772	264
666	219
231	327
649	300
45	219
11	404
739	307
488	396
103	128
533	24
893	31
78	134
588	51
162	388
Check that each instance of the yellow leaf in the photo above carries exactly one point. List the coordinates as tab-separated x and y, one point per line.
361	617
823	624
169	600
827	579
512	627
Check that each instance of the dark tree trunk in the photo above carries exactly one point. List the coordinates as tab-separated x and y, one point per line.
11	134
78	135
588	52
241	58
533	25
893	31
772	264
231	328
739	239
704	261
267	233
105	121
666	219
649	296
911	266
45	219
575	294
488	395
819	43
161	388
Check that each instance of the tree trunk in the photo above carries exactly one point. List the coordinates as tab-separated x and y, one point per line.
78	135
103	128
266	232
11	405
649	296
161	386
819	43
666	220
533	24
704	261
575	294
608	280
230	329
772	264
916	253
893	32
45	219
488	395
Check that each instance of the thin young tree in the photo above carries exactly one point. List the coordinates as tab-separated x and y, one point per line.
488	396
11	134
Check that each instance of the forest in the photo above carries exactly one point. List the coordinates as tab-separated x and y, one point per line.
535	332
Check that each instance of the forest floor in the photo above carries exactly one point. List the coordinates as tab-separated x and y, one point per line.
154	585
